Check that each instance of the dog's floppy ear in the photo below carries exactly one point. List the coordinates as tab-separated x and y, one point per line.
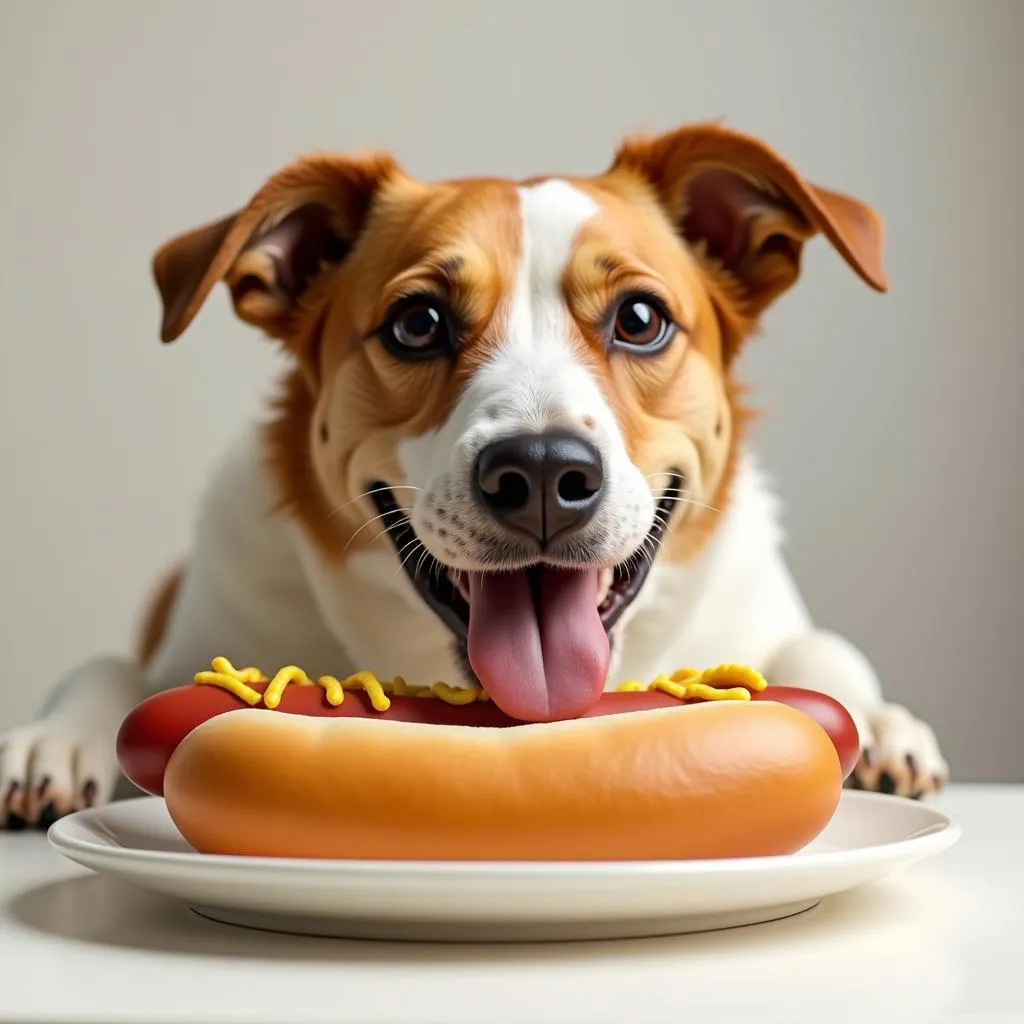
304	218
744	208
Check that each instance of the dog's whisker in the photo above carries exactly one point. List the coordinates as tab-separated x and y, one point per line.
664	476
366	494
419	563
394	526
632	563
680	497
383	515
404	512
656	543
438	568
690	501
408	544
415	544
404	524
405	560
655	538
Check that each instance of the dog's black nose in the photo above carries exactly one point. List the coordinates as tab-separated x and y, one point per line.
543	484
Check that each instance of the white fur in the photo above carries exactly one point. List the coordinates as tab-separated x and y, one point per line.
535	381
257	592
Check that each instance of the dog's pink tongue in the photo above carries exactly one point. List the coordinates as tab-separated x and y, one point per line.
538	662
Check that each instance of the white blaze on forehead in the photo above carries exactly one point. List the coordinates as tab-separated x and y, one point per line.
537	370
552	214
537	378
534	380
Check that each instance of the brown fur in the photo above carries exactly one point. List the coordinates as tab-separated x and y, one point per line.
157	616
741	213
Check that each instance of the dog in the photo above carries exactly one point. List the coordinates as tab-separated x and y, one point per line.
511	448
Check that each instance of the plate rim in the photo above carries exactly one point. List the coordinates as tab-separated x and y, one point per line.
944	831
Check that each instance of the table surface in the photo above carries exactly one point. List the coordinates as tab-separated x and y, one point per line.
929	943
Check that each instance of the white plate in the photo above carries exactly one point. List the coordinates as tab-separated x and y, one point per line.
870	836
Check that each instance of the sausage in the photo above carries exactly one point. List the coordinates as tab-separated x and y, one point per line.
153	730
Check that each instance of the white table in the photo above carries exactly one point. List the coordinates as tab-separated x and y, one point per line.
938	940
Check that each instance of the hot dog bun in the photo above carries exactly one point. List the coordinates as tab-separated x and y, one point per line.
710	780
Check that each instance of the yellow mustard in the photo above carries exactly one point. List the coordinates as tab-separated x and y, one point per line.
722	682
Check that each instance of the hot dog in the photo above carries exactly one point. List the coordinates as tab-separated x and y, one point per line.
694	768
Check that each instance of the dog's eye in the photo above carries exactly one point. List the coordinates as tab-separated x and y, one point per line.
418	327
417	330
641	324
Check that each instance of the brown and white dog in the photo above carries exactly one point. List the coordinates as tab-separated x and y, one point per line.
510	449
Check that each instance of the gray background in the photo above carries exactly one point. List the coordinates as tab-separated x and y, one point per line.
893	423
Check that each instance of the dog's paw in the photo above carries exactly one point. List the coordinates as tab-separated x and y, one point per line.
899	755
49	768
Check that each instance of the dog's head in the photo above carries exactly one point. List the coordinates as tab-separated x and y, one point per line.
528	386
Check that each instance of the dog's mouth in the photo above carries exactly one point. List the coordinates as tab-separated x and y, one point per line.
537	637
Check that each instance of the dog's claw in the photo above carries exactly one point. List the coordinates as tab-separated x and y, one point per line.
900	756
48	770
14	806
67	759
89	791
47	816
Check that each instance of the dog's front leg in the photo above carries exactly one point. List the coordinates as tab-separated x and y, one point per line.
899	753
66	759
